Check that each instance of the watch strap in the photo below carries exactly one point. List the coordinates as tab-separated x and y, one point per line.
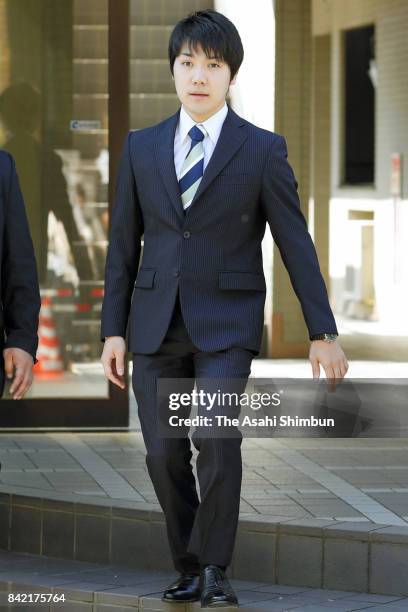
326	337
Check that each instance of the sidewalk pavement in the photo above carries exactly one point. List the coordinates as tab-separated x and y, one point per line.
353	479
344	483
88	587
358	480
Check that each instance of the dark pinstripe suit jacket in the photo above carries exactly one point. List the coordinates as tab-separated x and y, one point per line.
19	292
212	253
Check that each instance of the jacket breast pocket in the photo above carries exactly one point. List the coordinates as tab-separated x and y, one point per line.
145	278
241	280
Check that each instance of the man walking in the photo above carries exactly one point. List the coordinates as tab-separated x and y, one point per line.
19	294
200	187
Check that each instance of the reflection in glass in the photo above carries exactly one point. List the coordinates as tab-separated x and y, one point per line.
54	121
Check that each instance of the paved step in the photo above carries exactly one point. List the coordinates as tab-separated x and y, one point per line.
88	587
308	516
358	557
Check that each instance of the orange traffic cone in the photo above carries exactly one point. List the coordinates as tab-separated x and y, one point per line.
49	364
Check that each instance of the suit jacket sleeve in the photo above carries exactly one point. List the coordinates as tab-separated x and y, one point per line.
19	282
122	261
289	229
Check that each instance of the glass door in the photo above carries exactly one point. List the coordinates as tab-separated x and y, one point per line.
59	61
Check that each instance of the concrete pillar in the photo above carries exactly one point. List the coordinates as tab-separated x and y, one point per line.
289	336
320	150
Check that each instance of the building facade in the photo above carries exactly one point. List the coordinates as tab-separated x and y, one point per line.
330	75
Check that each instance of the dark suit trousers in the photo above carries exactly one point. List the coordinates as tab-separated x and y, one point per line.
200	531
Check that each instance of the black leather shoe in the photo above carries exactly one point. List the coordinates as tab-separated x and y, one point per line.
216	591
183	589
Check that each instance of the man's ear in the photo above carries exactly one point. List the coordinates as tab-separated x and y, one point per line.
234	80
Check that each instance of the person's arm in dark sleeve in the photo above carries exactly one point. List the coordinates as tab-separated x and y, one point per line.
19	291
126	230
280	201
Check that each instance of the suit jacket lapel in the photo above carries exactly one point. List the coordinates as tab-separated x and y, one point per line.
164	151
231	138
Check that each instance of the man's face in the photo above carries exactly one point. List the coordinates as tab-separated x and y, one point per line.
201	82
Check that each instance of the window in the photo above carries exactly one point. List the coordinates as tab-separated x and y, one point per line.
360	81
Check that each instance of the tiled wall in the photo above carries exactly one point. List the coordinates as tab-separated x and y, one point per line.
152	93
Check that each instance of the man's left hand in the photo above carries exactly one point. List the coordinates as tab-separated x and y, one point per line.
331	357
18	363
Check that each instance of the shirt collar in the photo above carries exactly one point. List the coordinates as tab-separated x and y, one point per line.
213	124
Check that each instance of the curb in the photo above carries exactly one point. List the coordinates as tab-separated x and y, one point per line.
359	557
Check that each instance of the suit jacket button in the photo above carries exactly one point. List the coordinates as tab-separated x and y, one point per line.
176	273
186	234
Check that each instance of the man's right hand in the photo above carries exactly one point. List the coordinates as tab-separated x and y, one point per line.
113	360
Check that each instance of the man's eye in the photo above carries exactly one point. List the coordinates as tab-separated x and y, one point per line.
185	62
214	64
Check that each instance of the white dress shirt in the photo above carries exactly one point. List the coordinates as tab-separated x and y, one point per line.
182	141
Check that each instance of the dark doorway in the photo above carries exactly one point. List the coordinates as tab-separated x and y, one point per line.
359	106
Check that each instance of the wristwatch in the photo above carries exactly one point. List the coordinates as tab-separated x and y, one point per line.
325	337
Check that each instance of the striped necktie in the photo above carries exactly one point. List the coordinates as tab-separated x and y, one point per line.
193	166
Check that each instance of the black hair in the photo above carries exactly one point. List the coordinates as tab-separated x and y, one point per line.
20	107
216	34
